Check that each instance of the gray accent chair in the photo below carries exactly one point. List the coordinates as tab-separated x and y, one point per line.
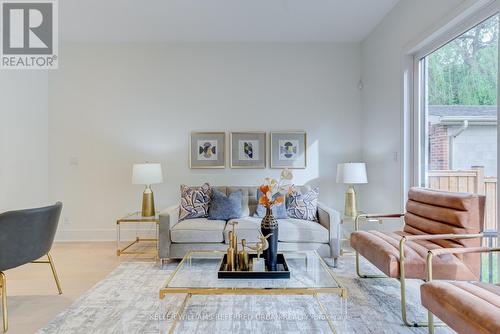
177	238
26	236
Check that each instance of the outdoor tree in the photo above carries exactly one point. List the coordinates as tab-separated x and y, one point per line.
464	71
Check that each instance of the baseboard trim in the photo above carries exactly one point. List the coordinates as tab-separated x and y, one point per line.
126	234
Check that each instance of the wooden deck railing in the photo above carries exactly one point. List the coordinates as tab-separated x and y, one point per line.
472	181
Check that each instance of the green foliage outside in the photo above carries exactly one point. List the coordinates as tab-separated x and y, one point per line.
485	267
464	71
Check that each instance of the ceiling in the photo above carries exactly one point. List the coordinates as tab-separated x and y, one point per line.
220	20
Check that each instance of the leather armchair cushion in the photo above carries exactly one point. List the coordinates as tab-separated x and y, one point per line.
466	307
382	250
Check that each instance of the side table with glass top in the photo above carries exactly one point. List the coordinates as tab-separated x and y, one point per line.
136	217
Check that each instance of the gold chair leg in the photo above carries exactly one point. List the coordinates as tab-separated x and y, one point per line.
430	319
3	281
402	281
51	262
358	270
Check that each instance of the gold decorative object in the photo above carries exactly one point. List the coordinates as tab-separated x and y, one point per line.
231	264
350	209
240	261
243	262
233	241
351	173
147	174
148	202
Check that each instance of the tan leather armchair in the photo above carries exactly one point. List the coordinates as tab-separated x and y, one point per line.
434	219
466	307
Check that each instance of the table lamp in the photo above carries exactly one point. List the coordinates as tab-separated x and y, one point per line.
351	173
147	174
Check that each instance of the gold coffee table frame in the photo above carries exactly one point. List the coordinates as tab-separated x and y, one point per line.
136	217
313	291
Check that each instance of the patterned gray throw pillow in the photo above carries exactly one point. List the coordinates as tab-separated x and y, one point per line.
303	206
194	201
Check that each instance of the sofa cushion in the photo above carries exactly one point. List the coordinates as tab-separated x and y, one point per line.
245	199
194	201
224	207
466	307
303	205
247	228
198	230
298	230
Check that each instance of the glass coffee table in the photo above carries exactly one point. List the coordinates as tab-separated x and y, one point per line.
196	274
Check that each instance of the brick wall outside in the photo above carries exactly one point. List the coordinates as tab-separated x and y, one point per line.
438	147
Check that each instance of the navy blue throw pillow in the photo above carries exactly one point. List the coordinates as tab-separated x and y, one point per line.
224	207
279	211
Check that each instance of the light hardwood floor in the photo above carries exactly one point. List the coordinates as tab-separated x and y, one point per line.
32	294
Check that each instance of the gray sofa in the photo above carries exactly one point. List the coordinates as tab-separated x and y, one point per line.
177	238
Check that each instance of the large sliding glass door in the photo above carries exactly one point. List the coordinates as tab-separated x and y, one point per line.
458	91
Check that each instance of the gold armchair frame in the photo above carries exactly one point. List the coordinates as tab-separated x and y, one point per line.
3	289
442	251
402	241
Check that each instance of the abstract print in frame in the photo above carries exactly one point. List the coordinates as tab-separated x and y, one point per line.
207	150
248	149
288	149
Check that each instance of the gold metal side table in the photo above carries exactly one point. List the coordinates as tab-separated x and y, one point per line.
136	217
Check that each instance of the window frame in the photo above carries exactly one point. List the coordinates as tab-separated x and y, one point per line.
418	144
464	18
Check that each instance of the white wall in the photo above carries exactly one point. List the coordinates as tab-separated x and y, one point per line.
23	139
113	105
476	146
382	116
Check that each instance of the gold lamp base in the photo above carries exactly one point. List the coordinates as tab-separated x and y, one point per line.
350	202
148	202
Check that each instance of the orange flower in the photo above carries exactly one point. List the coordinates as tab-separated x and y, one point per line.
278	200
263	200
264	188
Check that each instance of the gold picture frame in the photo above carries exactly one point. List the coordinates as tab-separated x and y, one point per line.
294	138
235	159
215	144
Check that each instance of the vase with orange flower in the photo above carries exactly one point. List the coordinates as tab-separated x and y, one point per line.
272	193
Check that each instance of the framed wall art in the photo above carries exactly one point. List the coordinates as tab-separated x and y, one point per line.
248	149
207	150
288	149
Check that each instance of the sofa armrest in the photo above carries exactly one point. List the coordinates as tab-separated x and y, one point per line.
168	218
442	251
330	219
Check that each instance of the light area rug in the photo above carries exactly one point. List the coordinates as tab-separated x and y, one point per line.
127	301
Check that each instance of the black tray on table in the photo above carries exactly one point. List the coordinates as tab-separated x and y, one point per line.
282	272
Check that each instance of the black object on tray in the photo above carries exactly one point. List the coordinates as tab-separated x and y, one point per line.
281	272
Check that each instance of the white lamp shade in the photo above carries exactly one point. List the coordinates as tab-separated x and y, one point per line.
352	173
147	173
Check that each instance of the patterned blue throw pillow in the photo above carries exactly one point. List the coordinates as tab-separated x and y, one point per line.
194	201
303	206
224	207
279	211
